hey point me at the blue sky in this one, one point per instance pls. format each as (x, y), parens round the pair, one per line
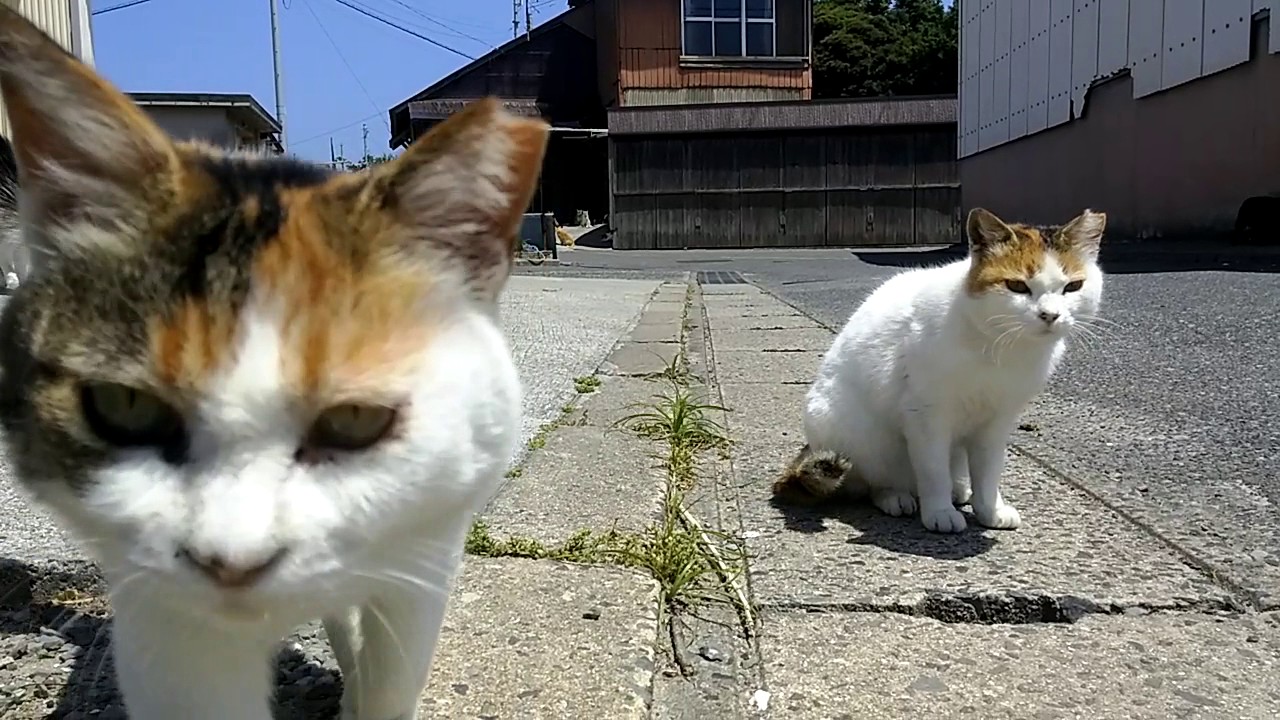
(225, 46)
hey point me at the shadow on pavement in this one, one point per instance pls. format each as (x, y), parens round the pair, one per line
(58, 639)
(902, 535)
(1129, 258)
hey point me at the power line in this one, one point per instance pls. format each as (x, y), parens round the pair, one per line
(343, 58)
(401, 28)
(439, 23)
(121, 6)
(331, 131)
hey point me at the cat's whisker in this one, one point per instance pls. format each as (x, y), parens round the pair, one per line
(391, 632)
(1099, 331)
(1100, 319)
(996, 346)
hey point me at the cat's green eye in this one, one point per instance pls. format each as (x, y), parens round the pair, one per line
(128, 417)
(350, 427)
(1073, 286)
(1017, 286)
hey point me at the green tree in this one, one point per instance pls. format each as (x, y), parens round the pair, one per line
(366, 162)
(868, 48)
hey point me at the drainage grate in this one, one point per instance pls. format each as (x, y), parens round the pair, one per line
(721, 277)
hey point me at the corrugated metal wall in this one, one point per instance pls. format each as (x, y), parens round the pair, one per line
(1027, 65)
(66, 21)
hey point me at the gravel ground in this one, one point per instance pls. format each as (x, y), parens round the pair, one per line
(54, 628)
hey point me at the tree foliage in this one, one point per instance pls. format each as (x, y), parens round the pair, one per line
(867, 48)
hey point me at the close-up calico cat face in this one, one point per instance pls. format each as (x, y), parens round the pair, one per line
(1035, 280)
(230, 369)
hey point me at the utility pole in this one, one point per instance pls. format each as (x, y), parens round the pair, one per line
(275, 61)
(333, 159)
(515, 18)
(364, 137)
(528, 18)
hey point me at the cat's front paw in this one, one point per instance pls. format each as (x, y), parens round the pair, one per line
(1003, 517)
(895, 504)
(945, 519)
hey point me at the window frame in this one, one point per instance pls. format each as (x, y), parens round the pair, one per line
(742, 21)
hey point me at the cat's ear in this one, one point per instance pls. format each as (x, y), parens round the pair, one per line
(464, 187)
(88, 158)
(985, 230)
(1084, 233)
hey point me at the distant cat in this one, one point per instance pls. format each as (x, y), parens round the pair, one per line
(925, 383)
(258, 391)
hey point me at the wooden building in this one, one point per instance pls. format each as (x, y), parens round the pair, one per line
(817, 174)
(690, 123)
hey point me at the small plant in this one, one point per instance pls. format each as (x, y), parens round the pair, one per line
(680, 422)
(586, 384)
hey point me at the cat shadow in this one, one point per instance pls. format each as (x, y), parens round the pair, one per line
(903, 535)
(51, 633)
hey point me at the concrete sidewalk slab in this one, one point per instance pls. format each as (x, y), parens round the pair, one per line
(727, 322)
(1070, 556)
(765, 338)
(869, 666)
(542, 639)
(758, 366)
(642, 358)
(584, 478)
(617, 397)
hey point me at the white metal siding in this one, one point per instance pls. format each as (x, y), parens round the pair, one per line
(1084, 51)
(1019, 75)
(1027, 65)
(66, 21)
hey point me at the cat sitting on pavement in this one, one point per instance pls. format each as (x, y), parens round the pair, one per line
(258, 391)
(916, 399)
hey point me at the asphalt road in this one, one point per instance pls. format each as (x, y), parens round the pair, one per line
(1171, 416)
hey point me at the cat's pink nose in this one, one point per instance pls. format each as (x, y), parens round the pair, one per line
(231, 575)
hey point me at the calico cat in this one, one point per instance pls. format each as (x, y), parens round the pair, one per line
(259, 392)
(917, 396)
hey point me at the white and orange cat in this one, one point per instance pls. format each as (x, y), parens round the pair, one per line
(259, 392)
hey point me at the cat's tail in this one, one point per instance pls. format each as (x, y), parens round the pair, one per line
(811, 477)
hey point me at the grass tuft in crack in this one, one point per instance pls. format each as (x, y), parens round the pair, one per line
(586, 384)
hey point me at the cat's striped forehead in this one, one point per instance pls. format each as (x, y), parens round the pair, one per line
(1002, 252)
(287, 244)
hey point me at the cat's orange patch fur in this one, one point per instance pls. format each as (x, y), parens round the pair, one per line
(1020, 258)
(345, 328)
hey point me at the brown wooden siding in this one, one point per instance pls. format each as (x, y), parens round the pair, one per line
(829, 187)
(649, 44)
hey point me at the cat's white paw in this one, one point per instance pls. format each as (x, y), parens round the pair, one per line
(895, 504)
(1003, 517)
(961, 493)
(945, 519)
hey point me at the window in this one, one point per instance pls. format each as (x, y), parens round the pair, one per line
(729, 28)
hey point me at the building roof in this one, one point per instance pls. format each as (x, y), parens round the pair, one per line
(396, 114)
(783, 115)
(439, 109)
(242, 106)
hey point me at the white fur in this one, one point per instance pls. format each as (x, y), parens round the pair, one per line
(925, 383)
(374, 539)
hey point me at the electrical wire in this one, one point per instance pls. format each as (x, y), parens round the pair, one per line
(327, 133)
(343, 58)
(121, 6)
(401, 28)
(439, 23)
